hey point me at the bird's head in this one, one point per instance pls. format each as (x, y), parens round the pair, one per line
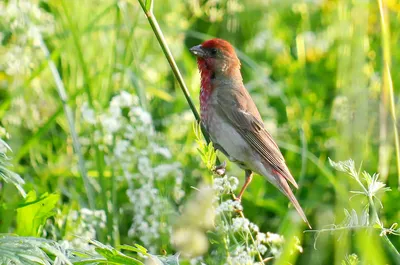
(217, 56)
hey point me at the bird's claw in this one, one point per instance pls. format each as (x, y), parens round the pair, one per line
(220, 169)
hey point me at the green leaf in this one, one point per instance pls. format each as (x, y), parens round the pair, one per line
(137, 248)
(114, 256)
(161, 260)
(31, 251)
(149, 5)
(32, 215)
(6, 174)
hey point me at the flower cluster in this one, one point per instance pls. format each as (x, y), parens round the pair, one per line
(242, 238)
(225, 184)
(125, 133)
(21, 22)
(80, 227)
(24, 19)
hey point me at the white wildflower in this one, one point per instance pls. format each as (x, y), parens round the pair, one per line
(229, 206)
(121, 147)
(254, 227)
(138, 114)
(161, 150)
(109, 123)
(262, 248)
(123, 100)
(240, 256)
(224, 185)
(88, 114)
(164, 170)
(114, 112)
(240, 224)
(261, 238)
(273, 238)
(26, 21)
(144, 166)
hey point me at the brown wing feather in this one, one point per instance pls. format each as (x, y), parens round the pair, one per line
(246, 118)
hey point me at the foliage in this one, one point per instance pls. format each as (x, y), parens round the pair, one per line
(105, 154)
(32, 250)
(6, 174)
(34, 212)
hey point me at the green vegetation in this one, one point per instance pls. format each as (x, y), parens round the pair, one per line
(109, 166)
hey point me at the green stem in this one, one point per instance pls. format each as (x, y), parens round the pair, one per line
(388, 83)
(241, 214)
(394, 120)
(148, 10)
(385, 237)
(71, 122)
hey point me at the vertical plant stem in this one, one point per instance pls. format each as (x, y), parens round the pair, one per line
(148, 10)
(392, 248)
(113, 226)
(384, 143)
(394, 120)
(114, 52)
(71, 121)
(387, 88)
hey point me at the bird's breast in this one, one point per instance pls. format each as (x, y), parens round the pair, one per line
(226, 135)
(205, 97)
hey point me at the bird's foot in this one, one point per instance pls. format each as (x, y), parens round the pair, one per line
(220, 169)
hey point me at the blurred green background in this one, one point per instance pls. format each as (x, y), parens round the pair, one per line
(315, 68)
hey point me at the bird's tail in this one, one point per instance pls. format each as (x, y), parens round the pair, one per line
(284, 187)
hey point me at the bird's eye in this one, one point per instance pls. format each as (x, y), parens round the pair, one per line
(214, 51)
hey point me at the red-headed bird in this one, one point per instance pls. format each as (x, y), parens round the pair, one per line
(233, 121)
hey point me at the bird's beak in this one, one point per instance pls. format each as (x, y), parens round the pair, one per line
(198, 51)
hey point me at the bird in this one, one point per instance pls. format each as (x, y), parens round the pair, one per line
(233, 122)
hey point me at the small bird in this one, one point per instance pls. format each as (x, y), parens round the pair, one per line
(233, 121)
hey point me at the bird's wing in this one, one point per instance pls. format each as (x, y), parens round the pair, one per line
(244, 116)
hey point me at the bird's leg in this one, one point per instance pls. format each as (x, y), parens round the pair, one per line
(248, 178)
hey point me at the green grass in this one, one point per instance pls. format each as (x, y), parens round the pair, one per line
(322, 73)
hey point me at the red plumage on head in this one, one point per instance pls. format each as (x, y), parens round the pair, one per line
(208, 65)
(221, 44)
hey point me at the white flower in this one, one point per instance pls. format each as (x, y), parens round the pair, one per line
(88, 114)
(240, 224)
(109, 123)
(261, 238)
(262, 248)
(121, 147)
(229, 206)
(240, 256)
(274, 238)
(164, 170)
(138, 114)
(233, 182)
(254, 227)
(225, 184)
(123, 100)
(161, 150)
(144, 165)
